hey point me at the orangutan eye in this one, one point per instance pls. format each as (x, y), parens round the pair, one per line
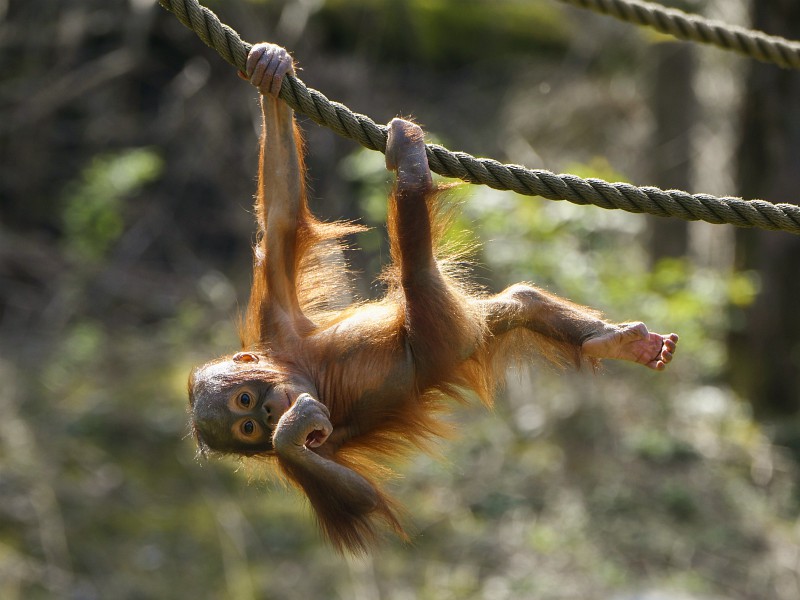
(245, 400)
(248, 428)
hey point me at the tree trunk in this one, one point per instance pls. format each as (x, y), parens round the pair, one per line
(765, 348)
(674, 108)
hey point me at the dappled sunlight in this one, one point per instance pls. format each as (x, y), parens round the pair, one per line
(126, 191)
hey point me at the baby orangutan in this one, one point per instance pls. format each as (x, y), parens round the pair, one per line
(328, 392)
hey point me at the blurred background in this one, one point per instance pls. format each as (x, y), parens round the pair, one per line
(127, 170)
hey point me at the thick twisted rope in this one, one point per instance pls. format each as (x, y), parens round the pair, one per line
(684, 26)
(531, 182)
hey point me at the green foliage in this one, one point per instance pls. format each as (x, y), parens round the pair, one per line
(598, 167)
(613, 484)
(93, 204)
(593, 256)
(514, 27)
(660, 447)
(366, 169)
(599, 257)
(477, 30)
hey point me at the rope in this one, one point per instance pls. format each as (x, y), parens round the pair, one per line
(530, 182)
(684, 26)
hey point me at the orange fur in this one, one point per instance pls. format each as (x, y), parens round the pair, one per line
(416, 423)
(386, 369)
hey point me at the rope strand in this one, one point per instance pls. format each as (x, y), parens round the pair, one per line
(684, 26)
(530, 182)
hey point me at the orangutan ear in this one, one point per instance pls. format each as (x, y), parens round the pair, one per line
(245, 357)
